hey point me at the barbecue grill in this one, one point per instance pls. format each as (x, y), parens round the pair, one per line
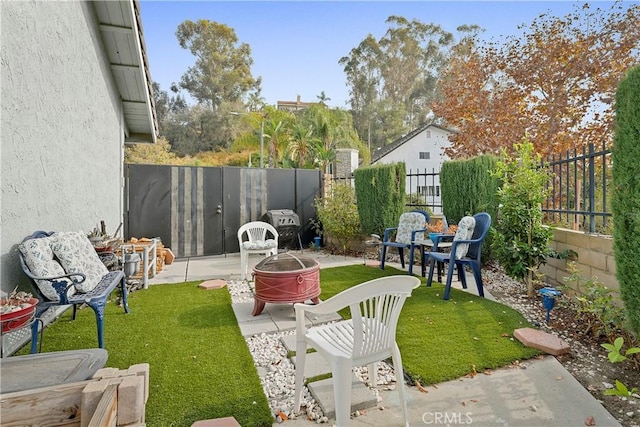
(286, 223)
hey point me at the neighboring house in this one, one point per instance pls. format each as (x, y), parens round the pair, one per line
(75, 89)
(422, 150)
(294, 105)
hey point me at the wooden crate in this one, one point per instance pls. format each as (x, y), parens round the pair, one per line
(112, 397)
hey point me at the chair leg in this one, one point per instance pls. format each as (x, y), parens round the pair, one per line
(477, 275)
(341, 372)
(411, 255)
(243, 264)
(98, 309)
(462, 275)
(447, 288)
(401, 253)
(397, 368)
(34, 335)
(383, 256)
(301, 355)
(373, 374)
(123, 289)
(432, 265)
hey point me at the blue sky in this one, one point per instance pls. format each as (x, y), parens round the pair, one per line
(296, 45)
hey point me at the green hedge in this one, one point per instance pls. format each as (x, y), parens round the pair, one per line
(467, 187)
(626, 195)
(380, 192)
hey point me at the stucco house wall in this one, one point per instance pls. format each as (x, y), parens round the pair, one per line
(62, 129)
(430, 139)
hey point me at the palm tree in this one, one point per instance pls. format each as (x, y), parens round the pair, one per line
(300, 146)
(323, 98)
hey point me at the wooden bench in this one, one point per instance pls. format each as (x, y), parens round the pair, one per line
(63, 269)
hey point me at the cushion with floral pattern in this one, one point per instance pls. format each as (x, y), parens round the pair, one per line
(77, 255)
(409, 222)
(464, 232)
(39, 258)
(260, 244)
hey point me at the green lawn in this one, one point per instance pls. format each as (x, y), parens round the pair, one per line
(443, 340)
(200, 366)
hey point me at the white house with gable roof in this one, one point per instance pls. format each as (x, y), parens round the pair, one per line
(422, 151)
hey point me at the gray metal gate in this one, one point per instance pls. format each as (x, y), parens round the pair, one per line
(197, 210)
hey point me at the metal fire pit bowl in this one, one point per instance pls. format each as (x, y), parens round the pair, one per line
(285, 278)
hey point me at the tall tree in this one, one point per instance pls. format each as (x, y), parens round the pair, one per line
(222, 71)
(397, 72)
(555, 84)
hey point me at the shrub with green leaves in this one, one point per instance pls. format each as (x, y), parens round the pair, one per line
(520, 241)
(626, 195)
(381, 196)
(338, 214)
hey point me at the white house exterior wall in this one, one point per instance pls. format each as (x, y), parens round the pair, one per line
(62, 127)
(432, 140)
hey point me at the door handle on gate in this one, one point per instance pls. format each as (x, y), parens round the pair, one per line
(219, 209)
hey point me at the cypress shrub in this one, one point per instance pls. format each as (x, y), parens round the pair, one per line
(626, 196)
(380, 192)
(468, 187)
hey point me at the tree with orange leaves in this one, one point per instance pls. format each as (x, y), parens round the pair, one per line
(555, 84)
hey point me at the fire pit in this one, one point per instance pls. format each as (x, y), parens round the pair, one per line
(285, 278)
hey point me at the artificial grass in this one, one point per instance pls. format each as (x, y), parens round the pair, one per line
(442, 340)
(200, 366)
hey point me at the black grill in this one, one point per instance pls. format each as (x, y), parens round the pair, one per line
(287, 223)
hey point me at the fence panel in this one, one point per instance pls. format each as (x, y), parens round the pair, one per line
(578, 190)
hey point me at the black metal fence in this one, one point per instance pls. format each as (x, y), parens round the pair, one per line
(579, 190)
(422, 188)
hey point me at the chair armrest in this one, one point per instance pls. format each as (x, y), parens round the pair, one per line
(387, 232)
(413, 234)
(61, 286)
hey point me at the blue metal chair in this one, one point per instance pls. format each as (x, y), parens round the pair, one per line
(471, 258)
(411, 227)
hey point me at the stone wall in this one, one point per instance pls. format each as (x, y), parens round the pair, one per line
(594, 258)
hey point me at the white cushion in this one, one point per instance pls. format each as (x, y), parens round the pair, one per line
(464, 232)
(77, 255)
(39, 258)
(260, 244)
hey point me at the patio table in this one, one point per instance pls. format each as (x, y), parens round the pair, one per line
(442, 242)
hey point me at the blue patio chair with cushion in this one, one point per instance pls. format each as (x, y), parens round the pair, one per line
(465, 250)
(411, 227)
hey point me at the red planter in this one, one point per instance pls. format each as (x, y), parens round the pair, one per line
(285, 278)
(19, 318)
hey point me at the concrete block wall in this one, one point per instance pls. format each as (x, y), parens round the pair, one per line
(595, 259)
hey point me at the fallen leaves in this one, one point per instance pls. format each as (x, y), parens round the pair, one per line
(419, 386)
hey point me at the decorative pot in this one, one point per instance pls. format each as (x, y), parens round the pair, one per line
(131, 264)
(19, 317)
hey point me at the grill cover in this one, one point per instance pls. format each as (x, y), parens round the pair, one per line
(286, 222)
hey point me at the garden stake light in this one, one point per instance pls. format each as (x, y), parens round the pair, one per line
(549, 299)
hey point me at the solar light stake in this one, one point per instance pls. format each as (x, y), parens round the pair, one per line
(549, 299)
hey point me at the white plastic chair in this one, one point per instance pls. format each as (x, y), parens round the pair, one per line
(257, 243)
(368, 337)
